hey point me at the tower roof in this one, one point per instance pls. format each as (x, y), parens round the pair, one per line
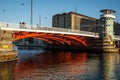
(107, 10)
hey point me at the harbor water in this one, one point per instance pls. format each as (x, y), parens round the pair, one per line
(61, 65)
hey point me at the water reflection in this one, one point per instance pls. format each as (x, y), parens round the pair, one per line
(109, 60)
(51, 65)
(61, 65)
(6, 70)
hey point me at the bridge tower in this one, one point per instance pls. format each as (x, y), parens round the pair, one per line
(107, 20)
(107, 33)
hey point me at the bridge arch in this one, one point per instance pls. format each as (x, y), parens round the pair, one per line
(52, 39)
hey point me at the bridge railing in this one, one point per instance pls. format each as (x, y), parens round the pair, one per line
(26, 26)
(66, 30)
(117, 37)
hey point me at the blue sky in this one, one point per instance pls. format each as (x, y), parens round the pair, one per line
(15, 11)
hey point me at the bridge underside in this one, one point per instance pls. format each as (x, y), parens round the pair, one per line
(54, 39)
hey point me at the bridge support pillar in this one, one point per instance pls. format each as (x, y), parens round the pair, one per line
(104, 45)
(109, 46)
(107, 33)
(105, 42)
(6, 46)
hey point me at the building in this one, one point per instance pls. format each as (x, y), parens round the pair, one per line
(116, 28)
(74, 21)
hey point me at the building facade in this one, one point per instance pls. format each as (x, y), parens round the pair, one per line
(116, 28)
(74, 21)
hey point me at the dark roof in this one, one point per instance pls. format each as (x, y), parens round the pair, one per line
(74, 13)
(107, 10)
(80, 14)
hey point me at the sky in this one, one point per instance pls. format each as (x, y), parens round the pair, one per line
(16, 11)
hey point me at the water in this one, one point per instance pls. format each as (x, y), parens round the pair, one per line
(61, 65)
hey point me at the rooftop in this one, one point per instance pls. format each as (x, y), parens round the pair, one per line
(107, 10)
(75, 13)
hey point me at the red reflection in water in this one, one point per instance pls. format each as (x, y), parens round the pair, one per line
(46, 60)
(79, 57)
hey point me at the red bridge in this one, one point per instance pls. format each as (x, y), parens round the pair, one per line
(53, 36)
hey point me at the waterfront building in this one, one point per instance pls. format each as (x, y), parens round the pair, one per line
(116, 28)
(76, 21)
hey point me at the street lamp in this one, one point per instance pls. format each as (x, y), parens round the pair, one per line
(31, 16)
(39, 20)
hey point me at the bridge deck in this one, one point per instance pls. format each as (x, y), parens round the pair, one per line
(32, 28)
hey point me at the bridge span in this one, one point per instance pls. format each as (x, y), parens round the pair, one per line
(56, 36)
(53, 36)
(53, 30)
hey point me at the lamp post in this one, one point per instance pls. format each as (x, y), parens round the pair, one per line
(31, 16)
(39, 20)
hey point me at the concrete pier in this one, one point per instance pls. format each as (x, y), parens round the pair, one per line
(102, 45)
(6, 46)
